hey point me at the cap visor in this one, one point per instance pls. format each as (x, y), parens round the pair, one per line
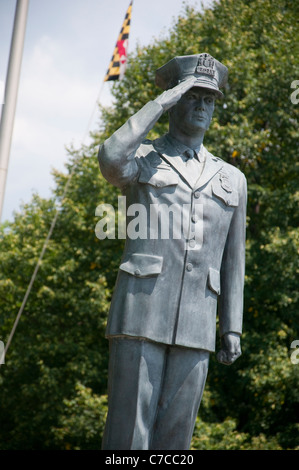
(204, 85)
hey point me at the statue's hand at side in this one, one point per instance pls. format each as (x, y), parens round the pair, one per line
(170, 97)
(230, 349)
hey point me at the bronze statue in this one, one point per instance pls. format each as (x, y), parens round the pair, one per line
(162, 320)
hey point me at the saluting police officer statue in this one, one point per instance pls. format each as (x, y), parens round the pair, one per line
(162, 320)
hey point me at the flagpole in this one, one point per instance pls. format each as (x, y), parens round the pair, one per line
(11, 92)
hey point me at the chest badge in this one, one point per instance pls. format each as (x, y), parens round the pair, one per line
(224, 181)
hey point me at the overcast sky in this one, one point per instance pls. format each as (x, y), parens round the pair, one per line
(67, 50)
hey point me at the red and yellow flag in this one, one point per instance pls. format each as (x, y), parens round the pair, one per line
(118, 62)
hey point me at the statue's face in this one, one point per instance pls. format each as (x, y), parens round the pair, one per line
(194, 111)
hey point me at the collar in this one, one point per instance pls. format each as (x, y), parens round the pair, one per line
(168, 151)
(182, 148)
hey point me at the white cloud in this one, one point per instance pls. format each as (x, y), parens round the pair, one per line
(54, 108)
(50, 91)
(52, 105)
(38, 148)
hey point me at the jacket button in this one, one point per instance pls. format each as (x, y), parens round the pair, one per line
(194, 218)
(189, 267)
(192, 243)
(197, 194)
(137, 272)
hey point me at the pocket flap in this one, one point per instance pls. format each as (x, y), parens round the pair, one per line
(214, 280)
(158, 177)
(229, 197)
(142, 265)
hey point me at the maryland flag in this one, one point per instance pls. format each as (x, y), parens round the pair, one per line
(118, 62)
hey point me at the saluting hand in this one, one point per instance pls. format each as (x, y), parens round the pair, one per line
(170, 97)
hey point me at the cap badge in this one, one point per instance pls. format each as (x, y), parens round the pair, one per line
(205, 65)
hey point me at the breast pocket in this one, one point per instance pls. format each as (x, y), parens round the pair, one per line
(227, 195)
(161, 176)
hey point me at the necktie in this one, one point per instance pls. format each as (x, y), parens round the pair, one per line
(189, 154)
(193, 165)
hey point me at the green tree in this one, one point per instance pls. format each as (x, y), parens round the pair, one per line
(53, 385)
(59, 342)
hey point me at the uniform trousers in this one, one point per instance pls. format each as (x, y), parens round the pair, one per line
(154, 393)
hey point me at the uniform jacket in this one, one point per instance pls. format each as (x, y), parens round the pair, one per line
(168, 286)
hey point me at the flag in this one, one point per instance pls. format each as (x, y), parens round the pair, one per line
(118, 62)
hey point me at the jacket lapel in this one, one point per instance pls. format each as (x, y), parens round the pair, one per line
(211, 167)
(171, 155)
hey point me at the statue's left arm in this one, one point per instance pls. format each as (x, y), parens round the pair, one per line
(232, 282)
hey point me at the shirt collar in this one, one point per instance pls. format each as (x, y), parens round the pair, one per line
(181, 148)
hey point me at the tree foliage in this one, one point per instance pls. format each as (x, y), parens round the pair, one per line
(53, 385)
